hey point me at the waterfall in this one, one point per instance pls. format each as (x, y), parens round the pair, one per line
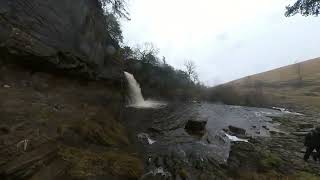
(135, 96)
(135, 90)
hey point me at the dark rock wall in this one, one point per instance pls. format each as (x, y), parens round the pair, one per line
(59, 34)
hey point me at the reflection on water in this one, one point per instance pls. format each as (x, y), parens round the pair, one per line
(148, 104)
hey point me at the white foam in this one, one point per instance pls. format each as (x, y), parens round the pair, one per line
(148, 104)
(284, 110)
(158, 171)
(147, 137)
(235, 138)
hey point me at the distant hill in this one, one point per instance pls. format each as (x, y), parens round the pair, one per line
(294, 86)
(307, 71)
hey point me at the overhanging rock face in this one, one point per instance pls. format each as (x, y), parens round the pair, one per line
(67, 35)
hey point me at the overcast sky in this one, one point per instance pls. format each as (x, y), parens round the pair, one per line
(227, 39)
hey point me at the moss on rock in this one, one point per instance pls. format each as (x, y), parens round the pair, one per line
(270, 161)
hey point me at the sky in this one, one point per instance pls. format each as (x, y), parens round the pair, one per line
(227, 39)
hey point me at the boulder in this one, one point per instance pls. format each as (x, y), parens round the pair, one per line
(196, 126)
(237, 130)
(68, 36)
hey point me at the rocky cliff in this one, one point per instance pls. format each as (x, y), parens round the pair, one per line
(53, 125)
(58, 35)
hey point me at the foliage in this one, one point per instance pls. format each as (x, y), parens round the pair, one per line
(113, 27)
(304, 7)
(270, 161)
(159, 78)
(143, 60)
(147, 53)
(113, 10)
(126, 53)
(116, 7)
(233, 94)
(226, 94)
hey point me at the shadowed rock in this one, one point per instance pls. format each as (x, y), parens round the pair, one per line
(196, 126)
(237, 130)
(57, 35)
(305, 125)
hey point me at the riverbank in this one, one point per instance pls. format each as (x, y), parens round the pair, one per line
(279, 156)
(60, 127)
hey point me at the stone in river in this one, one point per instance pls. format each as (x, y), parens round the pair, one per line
(237, 130)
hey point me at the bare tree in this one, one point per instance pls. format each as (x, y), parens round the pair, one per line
(147, 52)
(191, 70)
(304, 7)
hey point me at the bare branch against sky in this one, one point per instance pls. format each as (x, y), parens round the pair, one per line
(226, 39)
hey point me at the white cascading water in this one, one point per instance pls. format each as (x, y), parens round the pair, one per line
(135, 90)
(135, 96)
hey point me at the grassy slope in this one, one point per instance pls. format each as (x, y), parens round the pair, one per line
(284, 85)
(309, 72)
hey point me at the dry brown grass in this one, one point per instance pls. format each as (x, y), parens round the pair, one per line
(308, 70)
(87, 163)
(297, 84)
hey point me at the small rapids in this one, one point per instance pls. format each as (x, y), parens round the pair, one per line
(136, 99)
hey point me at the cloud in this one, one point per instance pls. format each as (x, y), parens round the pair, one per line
(226, 39)
(222, 36)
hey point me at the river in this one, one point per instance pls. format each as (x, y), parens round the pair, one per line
(161, 136)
